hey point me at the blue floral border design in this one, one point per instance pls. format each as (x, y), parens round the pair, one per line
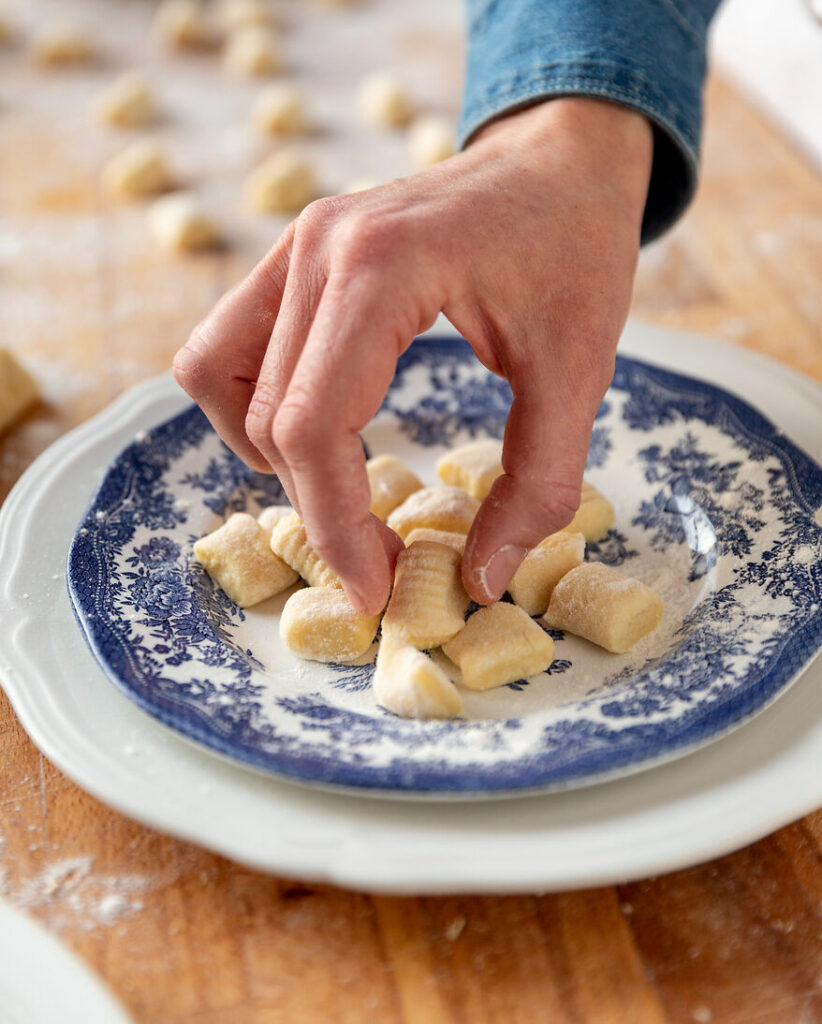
(334, 742)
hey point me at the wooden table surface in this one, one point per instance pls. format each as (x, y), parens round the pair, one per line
(185, 937)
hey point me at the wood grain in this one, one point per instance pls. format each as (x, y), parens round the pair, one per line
(198, 940)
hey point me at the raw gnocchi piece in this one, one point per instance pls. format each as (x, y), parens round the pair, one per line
(127, 102)
(253, 51)
(595, 515)
(59, 45)
(180, 224)
(499, 645)
(543, 567)
(473, 466)
(18, 389)
(233, 14)
(598, 603)
(289, 541)
(439, 508)
(428, 602)
(360, 185)
(269, 517)
(183, 25)
(391, 482)
(430, 140)
(321, 624)
(383, 100)
(407, 682)
(239, 560)
(140, 170)
(284, 183)
(453, 540)
(279, 110)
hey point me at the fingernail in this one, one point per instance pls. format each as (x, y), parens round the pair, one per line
(496, 574)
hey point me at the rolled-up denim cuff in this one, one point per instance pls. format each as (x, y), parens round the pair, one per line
(645, 56)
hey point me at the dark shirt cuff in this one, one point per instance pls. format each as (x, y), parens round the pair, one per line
(648, 55)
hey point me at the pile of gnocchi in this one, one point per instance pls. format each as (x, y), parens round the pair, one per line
(253, 559)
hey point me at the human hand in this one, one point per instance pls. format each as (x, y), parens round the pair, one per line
(527, 241)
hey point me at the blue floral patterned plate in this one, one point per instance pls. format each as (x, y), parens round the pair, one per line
(715, 509)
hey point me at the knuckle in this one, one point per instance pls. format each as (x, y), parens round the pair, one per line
(192, 367)
(367, 237)
(317, 217)
(295, 431)
(262, 410)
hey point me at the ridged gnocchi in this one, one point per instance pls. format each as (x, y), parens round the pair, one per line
(238, 558)
(543, 567)
(321, 624)
(499, 644)
(598, 603)
(453, 540)
(289, 541)
(428, 602)
(436, 508)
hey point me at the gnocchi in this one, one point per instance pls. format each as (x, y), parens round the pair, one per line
(18, 389)
(127, 102)
(321, 624)
(270, 516)
(499, 644)
(253, 51)
(181, 225)
(60, 45)
(284, 183)
(383, 101)
(140, 170)
(233, 14)
(280, 110)
(598, 603)
(437, 508)
(453, 540)
(430, 140)
(182, 24)
(473, 466)
(239, 560)
(543, 567)
(595, 515)
(428, 602)
(391, 482)
(409, 683)
(289, 542)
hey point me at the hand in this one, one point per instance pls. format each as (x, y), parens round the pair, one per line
(527, 241)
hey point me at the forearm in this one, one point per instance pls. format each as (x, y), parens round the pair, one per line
(648, 55)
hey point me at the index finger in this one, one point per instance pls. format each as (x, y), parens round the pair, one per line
(340, 380)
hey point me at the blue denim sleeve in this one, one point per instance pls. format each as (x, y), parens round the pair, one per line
(645, 54)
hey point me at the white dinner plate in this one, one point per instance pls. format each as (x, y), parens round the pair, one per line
(42, 982)
(739, 788)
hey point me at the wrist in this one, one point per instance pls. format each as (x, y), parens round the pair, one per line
(603, 141)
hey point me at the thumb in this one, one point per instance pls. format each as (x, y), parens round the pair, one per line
(544, 450)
